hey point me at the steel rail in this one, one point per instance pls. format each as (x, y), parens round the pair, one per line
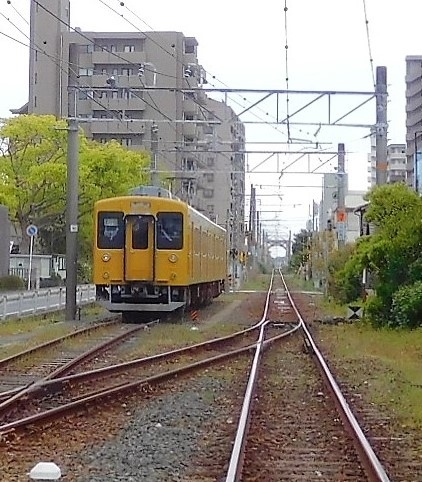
(237, 456)
(126, 387)
(55, 384)
(28, 389)
(138, 362)
(370, 461)
(55, 341)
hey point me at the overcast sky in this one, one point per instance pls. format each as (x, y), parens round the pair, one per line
(241, 44)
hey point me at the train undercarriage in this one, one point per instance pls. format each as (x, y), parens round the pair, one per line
(149, 300)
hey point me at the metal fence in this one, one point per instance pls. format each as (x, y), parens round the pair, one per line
(42, 300)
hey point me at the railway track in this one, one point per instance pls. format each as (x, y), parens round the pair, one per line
(51, 398)
(293, 422)
(23, 372)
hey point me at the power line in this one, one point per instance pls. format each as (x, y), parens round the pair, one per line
(371, 60)
(172, 55)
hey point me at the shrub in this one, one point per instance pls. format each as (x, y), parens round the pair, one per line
(11, 283)
(407, 306)
(377, 312)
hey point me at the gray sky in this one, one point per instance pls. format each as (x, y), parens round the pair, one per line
(242, 45)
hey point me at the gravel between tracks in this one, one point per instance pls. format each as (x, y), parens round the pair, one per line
(150, 439)
(163, 437)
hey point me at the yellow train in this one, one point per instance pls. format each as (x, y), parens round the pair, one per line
(154, 253)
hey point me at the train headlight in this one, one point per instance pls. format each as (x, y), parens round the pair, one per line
(173, 258)
(106, 275)
(106, 257)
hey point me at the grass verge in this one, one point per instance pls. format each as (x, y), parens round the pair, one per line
(390, 366)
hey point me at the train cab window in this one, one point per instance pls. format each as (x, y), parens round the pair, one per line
(169, 231)
(110, 230)
(140, 233)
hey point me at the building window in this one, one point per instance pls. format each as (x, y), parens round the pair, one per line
(210, 161)
(112, 48)
(86, 71)
(35, 77)
(127, 72)
(114, 94)
(87, 49)
(85, 94)
(189, 49)
(208, 193)
(104, 71)
(115, 72)
(188, 141)
(209, 177)
(126, 141)
(189, 117)
(129, 48)
(188, 164)
(189, 96)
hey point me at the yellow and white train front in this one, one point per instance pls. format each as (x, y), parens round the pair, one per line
(140, 254)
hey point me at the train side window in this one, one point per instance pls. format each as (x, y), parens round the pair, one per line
(110, 230)
(140, 233)
(169, 231)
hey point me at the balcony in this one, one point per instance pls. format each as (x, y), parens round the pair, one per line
(190, 106)
(118, 104)
(111, 126)
(190, 129)
(118, 58)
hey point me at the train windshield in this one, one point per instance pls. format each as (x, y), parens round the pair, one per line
(110, 230)
(169, 231)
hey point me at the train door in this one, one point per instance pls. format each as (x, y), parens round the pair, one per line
(139, 248)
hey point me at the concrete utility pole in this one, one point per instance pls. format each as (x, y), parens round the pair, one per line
(341, 206)
(154, 153)
(72, 217)
(381, 126)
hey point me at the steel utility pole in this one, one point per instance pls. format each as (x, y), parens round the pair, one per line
(341, 206)
(154, 153)
(72, 217)
(381, 126)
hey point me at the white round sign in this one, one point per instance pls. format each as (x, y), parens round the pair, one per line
(31, 230)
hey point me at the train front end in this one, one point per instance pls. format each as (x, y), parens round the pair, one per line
(141, 254)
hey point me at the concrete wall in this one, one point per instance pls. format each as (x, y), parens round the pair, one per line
(4, 241)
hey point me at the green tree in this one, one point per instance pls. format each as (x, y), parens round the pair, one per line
(32, 170)
(33, 177)
(300, 248)
(345, 274)
(392, 253)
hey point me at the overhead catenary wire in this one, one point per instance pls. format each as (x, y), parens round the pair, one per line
(123, 4)
(368, 38)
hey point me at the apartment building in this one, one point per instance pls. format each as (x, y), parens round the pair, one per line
(414, 118)
(145, 90)
(397, 164)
